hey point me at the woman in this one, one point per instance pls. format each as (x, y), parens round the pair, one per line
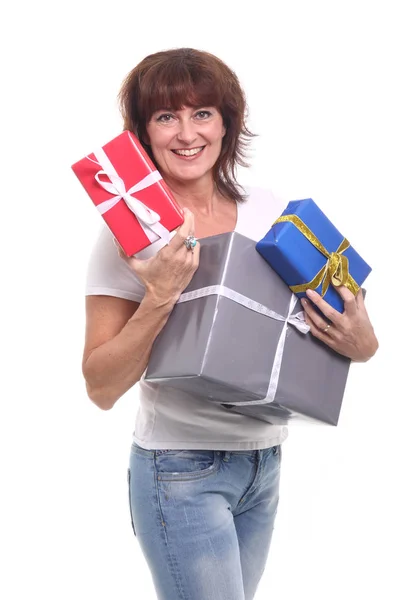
(203, 482)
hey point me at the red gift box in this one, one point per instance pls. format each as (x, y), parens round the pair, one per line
(129, 193)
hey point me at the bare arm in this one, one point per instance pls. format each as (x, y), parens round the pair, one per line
(119, 338)
(120, 333)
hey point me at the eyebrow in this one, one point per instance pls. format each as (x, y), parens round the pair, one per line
(197, 107)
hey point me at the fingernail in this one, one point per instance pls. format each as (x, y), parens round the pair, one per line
(311, 294)
(304, 301)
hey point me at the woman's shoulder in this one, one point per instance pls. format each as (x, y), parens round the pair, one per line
(264, 196)
(258, 212)
(108, 274)
(263, 201)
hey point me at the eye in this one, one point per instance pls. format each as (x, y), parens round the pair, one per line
(203, 114)
(165, 118)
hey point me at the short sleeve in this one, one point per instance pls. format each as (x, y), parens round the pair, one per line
(108, 274)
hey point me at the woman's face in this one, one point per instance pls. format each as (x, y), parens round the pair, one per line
(186, 143)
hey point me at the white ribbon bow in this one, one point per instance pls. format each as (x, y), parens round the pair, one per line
(148, 219)
(297, 320)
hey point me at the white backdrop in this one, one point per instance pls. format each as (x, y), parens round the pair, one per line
(322, 85)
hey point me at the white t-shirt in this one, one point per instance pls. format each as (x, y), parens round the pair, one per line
(174, 419)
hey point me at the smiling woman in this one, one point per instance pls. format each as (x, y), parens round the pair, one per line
(203, 481)
(189, 458)
(186, 143)
(182, 102)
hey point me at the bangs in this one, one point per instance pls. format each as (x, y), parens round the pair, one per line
(185, 77)
(175, 84)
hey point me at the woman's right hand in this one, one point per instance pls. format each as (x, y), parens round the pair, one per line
(169, 272)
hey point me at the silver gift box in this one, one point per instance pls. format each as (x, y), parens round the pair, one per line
(223, 351)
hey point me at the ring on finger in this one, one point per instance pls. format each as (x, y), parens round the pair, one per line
(325, 329)
(190, 242)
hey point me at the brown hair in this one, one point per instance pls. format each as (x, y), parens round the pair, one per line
(186, 77)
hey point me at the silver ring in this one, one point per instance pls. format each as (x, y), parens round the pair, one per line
(326, 328)
(190, 242)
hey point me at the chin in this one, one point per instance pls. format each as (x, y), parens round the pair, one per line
(191, 174)
(190, 177)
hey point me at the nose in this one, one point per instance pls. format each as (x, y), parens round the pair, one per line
(187, 132)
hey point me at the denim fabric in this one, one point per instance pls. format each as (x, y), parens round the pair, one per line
(204, 519)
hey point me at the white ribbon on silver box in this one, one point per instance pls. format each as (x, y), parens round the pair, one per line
(297, 320)
(148, 219)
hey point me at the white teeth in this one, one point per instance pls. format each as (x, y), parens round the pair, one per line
(188, 152)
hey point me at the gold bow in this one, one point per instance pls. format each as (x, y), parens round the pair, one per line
(336, 269)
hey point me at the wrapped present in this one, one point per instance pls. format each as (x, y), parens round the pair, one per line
(308, 252)
(238, 337)
(129, 193)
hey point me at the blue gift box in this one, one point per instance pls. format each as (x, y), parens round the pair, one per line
(289, 251)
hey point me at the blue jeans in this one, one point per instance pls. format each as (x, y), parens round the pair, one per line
(204, 519)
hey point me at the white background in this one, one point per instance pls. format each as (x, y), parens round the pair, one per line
(322, 85)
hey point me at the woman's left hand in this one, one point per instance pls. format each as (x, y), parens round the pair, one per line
(350, 333)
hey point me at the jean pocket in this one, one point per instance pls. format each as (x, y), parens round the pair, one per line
(185, 465)
(277, 451)
(129, 500)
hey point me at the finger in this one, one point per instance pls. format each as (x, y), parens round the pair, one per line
(137, 264)
(117, 244)
(120, 249)
(186, 229)
(350, 304)
(312, 315)
(327, 310)
(193, 256)
(190, 253)
(360, 299)
(320, 335)
(196, 257)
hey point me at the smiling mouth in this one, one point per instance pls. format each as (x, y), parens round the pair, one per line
(190, 152)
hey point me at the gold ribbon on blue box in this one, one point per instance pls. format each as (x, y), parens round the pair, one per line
(319, 258)
(336, 269)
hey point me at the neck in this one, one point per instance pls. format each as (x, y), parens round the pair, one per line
(200, 196)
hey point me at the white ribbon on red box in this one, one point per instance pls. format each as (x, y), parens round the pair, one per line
(147, 218)
(297, 320)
